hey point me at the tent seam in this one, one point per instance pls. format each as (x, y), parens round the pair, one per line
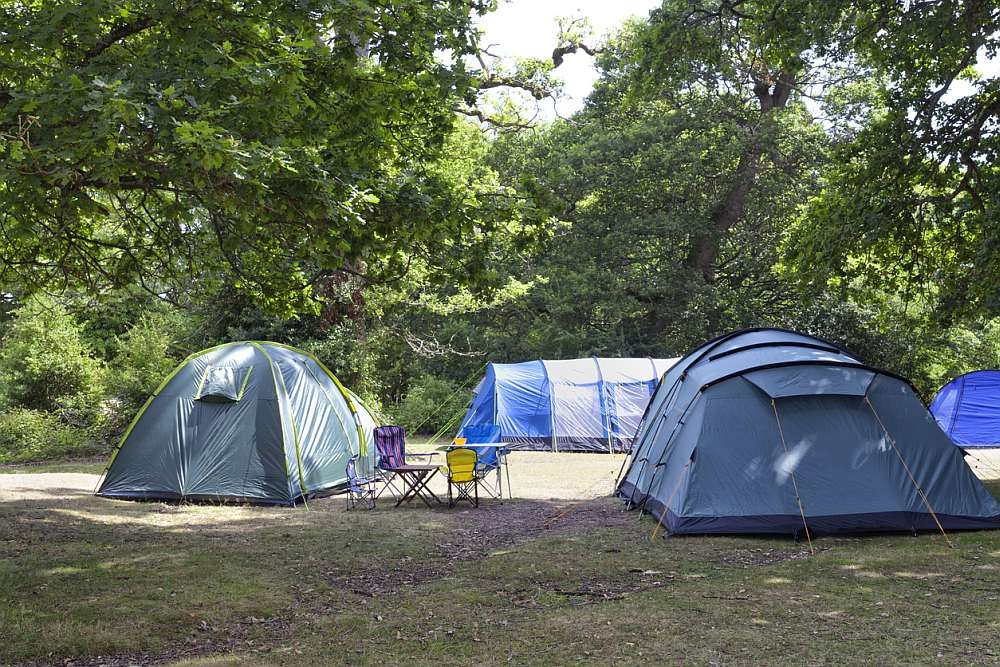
(291, 418)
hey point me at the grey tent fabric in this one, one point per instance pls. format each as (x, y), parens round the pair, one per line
(771, 431)
(249, 421)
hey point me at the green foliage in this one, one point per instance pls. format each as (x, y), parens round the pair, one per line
(909, 201)
(260, 175)
(209, 144)
(142, 359)
(34, 435)
(45, 364)
(965, 348)
(432, 404)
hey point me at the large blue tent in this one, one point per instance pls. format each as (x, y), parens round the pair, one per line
(591, 404)
(771, 431)
(968, 409)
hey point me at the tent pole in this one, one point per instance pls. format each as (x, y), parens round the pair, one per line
(646, 412)
(552, 405)
(496, 398)
(666, 445)
(605, 413)
(666, 505)
(791, 473)
(618, 479)
(920, 491)
(635, 436)
(958, 405)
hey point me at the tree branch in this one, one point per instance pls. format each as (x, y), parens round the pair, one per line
(118, 33)
(561, 51)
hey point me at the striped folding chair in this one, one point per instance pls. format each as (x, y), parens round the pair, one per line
(390, 445)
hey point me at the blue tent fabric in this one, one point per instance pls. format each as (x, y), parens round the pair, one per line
(483, 434)
(968, 409)
(591, 404)
(749, 425)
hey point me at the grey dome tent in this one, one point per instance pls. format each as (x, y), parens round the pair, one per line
(249, 421)
(771, 431)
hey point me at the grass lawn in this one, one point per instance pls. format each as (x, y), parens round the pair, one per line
(88, 465)
(549, 579)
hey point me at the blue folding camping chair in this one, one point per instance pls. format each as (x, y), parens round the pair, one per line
(360, 490)
(491, 458)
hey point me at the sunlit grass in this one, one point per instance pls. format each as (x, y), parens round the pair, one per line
(547, 582)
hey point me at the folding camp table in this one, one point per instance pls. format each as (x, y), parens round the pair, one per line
(415, 478)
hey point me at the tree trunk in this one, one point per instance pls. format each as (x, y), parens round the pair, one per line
(772, 93)
(705, 250)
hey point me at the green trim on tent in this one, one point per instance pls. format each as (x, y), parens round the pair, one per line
(128, 431)
(201, 383)
(246, 381)
(145, 405)
(329, 399)
(291, 417)
(362, 440)
(282, 396)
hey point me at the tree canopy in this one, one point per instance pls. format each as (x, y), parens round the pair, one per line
(267, 145)
(325, 174)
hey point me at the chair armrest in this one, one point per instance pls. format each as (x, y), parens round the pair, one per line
(421, 456)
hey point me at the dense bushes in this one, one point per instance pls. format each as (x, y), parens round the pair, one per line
(58, 399)
(141, 359)
(432, 404)
(46, 366)
(32, 435)
(72, 375)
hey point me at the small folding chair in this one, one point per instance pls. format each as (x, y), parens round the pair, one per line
(462, 476)
(360, 492)
(490, 459)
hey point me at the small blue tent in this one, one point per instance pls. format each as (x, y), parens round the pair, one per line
(771, 431)
(589, 404)
(968, 409)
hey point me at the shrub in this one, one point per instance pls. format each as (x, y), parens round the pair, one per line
(33, 435)
(46, 366)
(142, 361)
(431, 404)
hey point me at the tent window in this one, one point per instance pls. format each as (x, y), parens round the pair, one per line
(222, 384)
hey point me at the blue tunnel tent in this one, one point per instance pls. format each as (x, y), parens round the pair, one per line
(771, 431)
(968, 409)
(591, 404)
(249, 421)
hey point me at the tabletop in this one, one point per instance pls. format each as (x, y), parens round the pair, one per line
(410, 467)
(468, 445)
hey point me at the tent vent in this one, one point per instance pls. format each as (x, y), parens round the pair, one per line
(223, 384)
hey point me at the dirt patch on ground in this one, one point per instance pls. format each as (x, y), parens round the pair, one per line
(249, 635)
(480, 533)
(756, 557)
(493, 527)
(45, 486)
